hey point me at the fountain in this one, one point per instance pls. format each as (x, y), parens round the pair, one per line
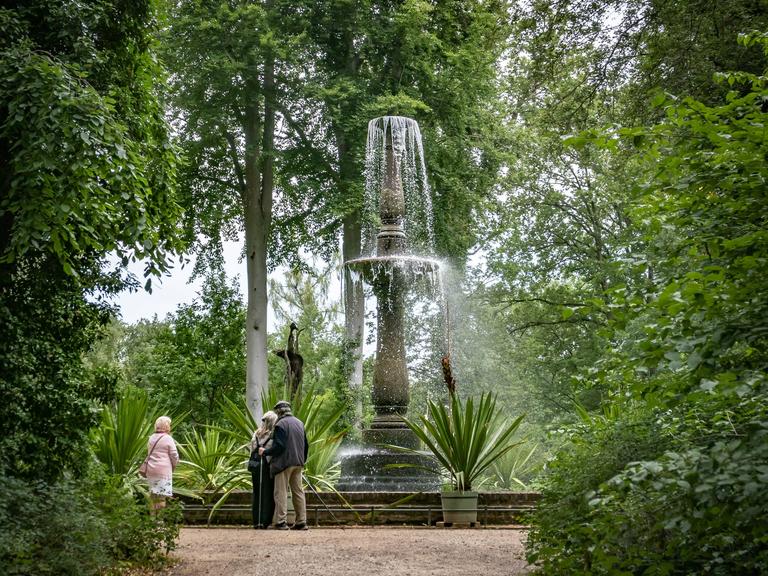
(394, 172)
(400, 228)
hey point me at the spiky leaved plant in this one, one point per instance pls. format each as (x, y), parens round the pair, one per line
(467, 438)
(120, 441)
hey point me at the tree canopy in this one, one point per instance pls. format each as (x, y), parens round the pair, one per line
(598, 175)
(88, 171)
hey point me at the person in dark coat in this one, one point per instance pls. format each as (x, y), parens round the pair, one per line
(289, 453)
(263, 500)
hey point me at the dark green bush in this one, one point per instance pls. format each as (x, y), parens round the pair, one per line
(78, 527)
(133, 536)
(48, 406)
(699, 510)
(560, 540)
(49, 529)
(688, 498)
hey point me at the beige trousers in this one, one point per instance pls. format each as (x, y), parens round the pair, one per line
(290, 477)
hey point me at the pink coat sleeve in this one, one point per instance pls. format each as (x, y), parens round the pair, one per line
(173, 452)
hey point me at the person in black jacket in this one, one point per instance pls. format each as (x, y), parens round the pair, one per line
(263, 500)
(288, 455)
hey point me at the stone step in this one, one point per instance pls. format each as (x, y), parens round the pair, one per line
(329, 508)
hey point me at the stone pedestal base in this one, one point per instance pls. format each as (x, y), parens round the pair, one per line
(367, 468)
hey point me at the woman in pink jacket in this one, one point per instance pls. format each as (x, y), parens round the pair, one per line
(162, 458)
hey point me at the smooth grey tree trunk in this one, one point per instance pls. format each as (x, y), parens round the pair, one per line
(354, 316)
(258, 219)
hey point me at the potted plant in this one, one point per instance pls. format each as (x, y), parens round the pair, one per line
(465, 440)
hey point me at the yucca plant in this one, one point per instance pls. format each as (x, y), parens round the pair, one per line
(242, 424)
(322, 468)
(240, 420)
(120, 441)
(513, 470)
(211, 467)
(466, 439)
(306, 406)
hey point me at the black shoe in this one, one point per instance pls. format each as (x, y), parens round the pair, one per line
(301, 526)
(282, 526)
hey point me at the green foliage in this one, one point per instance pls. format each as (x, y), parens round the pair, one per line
(592, 454)
(78, 527)
(120, 441)
(187, 362)
(48, 405)
(698, 509)
(652, 492)
(86, 153)
(576, 59)
(88, 171)
(212, 464)
(689, 350)
(522, 352)
(708, 308)
(515, 469)
(323, 468)
(466, 440)
(139, 353)
(135, 537)
(216, 52)
(202, 357)
(240, 421)
(41, 538)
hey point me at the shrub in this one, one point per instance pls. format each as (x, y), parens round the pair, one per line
(49, 529)
(679, 492)
(78, 527)
(133, 536)
(595, 452)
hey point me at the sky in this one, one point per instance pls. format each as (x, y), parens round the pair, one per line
(175, 289)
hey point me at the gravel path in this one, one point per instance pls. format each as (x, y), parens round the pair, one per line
(381, 551)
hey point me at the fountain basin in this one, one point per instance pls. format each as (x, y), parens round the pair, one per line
(374, 269)
(383, 469)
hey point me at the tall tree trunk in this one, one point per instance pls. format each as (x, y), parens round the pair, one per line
(354, 316)
(258, 219)
(354, 299)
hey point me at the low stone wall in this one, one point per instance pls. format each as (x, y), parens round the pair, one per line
(328, 508)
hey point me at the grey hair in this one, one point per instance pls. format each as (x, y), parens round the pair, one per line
(268, 420)
(163, 424)
(263, 432)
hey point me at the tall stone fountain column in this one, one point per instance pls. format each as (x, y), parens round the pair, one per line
(376, 466)
(390, 374)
